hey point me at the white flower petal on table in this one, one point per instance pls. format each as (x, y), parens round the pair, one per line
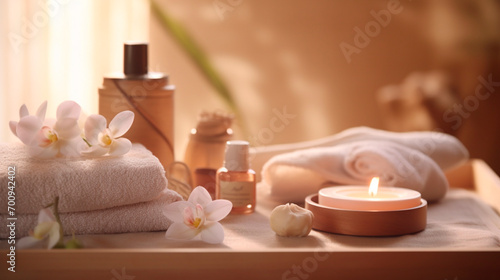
(23, 111)
(94, 125)
(95, 151)
(68, 109)
(54, 235)
(46, 215)
(218, 209)
(121, 123)
(120, 147)
(213, 233)
(40, 113)
(174, 211)
(43, 229)
(27, 242)
(180, 231)
(27, 129)
(200, 196)
(13, 127)
(67, 128)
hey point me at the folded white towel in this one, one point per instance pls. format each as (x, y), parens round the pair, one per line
(139, 217)
(293, 176)
(83, 184)
(444, 149)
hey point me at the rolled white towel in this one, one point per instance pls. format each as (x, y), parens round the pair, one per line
(293, 176)
(83, 184)
(446, 150)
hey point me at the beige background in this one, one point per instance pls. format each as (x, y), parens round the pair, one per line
(277, 54)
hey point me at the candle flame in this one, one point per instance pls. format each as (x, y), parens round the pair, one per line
(373, 186)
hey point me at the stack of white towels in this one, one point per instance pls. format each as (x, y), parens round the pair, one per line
(414, 160)
(96, 195)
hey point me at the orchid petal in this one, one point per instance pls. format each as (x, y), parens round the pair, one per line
(120, 147)
(27, 242)
(95, 151)
(218, 209)
(81, 123)
(180, 231)
(174, 211)
(200, 196)
(67, 128)
(121, 123)
(213, 233)
(94, 125)
(13, 126)
(188, 216)
(54, 235)
(71, 148)
(42, 229)
(50, 122)
(40, 113)
(68, 109)
(46, 137)
(46, 215)
(27, 129)
(23, 111)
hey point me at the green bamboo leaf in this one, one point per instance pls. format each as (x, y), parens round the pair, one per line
(189, 45)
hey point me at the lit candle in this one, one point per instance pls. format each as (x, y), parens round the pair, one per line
(375, 198)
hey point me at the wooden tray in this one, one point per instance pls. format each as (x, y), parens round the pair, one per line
(301, 261)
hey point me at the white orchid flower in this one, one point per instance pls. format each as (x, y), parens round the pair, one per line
(47, 227)
(199, 216)
(49, 138)
(23, 112)
(107, 140)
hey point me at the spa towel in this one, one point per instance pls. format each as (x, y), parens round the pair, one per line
(83, 184)
(293, 176)
(139, 217)
(444, 149)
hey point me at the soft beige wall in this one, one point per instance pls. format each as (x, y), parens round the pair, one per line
(276, 56)
(286, 53)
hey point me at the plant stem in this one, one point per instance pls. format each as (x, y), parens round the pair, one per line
(194, 51)
(58, 220)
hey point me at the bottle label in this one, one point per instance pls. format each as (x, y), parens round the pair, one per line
(239, 193)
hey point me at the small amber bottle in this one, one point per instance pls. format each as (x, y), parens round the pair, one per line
(235, 180)
(206, 148)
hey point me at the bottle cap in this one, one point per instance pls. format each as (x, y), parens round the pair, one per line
(236, 158)
(135, 60)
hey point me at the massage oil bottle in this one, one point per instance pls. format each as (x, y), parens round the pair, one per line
(235, 180)
(148, 95)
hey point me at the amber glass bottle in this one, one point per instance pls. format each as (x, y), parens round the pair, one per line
(236, 182)
(206, 147)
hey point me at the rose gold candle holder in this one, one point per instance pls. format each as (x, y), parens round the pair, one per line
(367, 223)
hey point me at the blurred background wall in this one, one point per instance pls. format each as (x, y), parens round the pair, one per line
(286, 56)
(317, 66)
